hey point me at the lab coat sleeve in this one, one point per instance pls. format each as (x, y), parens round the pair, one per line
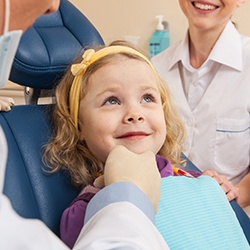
(120, 225)
(120, 217)
(3, 157)
(17, 233)
(119, 192)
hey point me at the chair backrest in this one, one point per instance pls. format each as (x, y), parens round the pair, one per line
(47, 48)
(45, 51)
(33, 192)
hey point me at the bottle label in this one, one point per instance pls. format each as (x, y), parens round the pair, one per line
(154, 48)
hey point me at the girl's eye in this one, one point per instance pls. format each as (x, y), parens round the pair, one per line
(111, 101)
(148, 98)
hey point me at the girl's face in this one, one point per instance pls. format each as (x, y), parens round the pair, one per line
(208, 14)
(122, 107)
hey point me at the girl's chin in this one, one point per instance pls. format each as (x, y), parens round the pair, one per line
(138, 150)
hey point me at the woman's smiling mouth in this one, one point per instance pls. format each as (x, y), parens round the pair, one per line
(203, 6)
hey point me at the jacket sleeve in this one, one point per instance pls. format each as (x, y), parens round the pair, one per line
(117, 225)
(120, 216)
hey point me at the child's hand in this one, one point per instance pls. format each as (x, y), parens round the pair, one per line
(230, 190)
(123, 165)
(6, 103)
(99, 182)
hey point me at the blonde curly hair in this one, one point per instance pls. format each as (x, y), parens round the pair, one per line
(66, 151)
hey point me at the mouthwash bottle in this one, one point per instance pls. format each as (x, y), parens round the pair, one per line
(160, 39)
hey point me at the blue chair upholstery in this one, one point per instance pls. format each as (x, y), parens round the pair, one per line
(33, 192)
(47, 48)
(44, 52)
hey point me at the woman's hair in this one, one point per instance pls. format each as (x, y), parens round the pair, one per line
(66, 151)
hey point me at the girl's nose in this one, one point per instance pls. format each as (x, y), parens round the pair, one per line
(133, 117)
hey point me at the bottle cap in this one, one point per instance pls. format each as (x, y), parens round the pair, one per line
(160, 25)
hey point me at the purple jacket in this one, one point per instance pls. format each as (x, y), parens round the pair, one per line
(72, 219)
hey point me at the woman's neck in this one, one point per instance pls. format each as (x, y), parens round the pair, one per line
(201, 43)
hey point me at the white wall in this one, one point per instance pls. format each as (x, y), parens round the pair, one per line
(115, 18)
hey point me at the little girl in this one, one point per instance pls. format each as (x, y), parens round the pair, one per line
(113, 96)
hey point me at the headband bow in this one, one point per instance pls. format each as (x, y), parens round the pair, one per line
(79, 68)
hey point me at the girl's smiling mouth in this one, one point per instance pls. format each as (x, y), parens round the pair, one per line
(133, 135)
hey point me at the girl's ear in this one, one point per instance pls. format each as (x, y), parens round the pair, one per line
(81, 136)
(240, 2)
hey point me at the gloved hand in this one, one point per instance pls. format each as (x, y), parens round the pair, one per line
(6, 103)
(124, 166)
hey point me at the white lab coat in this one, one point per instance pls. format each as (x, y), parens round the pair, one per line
(218, 134)
(119, 225)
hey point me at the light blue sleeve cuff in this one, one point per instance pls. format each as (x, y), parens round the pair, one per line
(119, 192)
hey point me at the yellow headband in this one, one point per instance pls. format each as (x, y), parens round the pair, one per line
(78, 70)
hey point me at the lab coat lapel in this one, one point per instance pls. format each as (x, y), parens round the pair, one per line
(214, 93)
(176, 88)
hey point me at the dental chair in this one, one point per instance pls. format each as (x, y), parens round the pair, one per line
(45, 51)
(47, 48)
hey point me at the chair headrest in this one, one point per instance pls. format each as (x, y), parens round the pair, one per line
(47, 48)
